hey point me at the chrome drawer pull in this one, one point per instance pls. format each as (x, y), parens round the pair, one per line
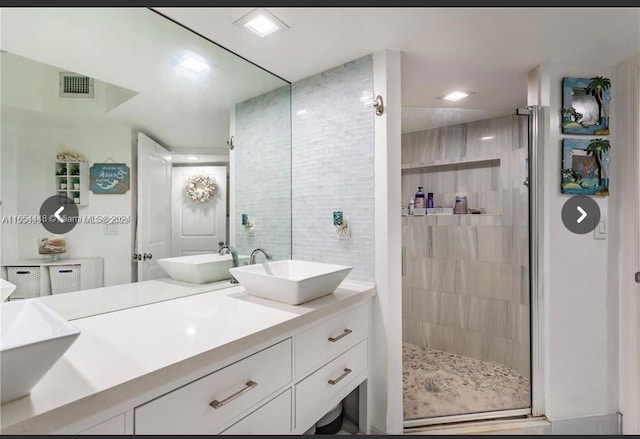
(344, 334)
(346, 372)
(217, 404)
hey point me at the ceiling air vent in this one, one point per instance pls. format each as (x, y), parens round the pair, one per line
(73, 85)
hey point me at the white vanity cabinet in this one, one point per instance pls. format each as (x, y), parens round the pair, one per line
(258, 394)
(330, 361)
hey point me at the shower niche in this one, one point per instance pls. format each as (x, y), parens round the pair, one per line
(465, 278)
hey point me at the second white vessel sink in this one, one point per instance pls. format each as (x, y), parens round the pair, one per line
(6, 288)
(200, 269)
(293, 282)
(33, 338)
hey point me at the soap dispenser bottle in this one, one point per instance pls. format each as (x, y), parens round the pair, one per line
(420, 199)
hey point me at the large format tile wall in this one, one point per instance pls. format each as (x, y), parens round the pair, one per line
(333, 168)
(263, 181)
(465, 277)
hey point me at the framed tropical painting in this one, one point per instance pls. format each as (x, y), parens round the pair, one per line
(585, 105)
(585, 167)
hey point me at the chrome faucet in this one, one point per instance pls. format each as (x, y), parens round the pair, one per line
(254, 253)
(234, 255)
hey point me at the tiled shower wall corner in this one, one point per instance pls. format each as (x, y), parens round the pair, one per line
(465, 277)
(263, 181)
(332, 162)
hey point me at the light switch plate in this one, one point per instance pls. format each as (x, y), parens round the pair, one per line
(600, 232)
(111, 229)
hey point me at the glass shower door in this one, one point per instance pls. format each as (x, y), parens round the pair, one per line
(466, 292)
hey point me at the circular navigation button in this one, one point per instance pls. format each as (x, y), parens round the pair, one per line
(59, 214)
(580, 214)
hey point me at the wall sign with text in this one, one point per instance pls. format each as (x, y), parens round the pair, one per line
(109, 178)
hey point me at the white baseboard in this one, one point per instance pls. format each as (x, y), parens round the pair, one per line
(602, 424)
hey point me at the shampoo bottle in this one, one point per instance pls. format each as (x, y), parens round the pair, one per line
(411, 206)
(420, 199)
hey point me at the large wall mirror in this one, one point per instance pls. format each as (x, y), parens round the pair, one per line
(122, 111)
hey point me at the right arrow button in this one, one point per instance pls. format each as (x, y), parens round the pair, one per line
(580, 214)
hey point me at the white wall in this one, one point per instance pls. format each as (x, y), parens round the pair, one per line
(580, 303)
(30, 143)
(386, 364)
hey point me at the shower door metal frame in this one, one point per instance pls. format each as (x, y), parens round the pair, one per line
(536, 320)
(536, 232)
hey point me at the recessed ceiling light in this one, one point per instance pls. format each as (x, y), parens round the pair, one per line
(301, 112)
(194, 64)
(261, 23)
(455, 96)
(487, 138)
(192, 158)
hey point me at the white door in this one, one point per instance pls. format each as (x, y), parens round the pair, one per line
(198, 227)
(153, 234)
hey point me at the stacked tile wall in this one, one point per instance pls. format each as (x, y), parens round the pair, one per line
(263, 181)
(465, 277)
(333, 168)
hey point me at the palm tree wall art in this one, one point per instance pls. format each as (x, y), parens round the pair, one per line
(585, 105)
(585, 166)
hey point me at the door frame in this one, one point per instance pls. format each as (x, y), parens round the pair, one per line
(536, 294)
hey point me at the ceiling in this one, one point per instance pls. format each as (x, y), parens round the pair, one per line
(485, 50)
(488, 51)
(426, 118)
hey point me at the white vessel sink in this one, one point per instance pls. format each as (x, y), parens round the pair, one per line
(200, 269)
(33, 338)
(292, 282)
(6, 288)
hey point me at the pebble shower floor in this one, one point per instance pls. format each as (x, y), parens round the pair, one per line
(437, 383)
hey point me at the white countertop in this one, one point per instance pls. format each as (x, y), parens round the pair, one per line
(126, 357)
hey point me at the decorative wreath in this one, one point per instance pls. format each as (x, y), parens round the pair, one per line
(200, 188)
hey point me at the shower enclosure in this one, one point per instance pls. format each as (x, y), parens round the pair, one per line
(466, 288)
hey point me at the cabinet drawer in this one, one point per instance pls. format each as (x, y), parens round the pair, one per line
(325, 387)
(324, 341)
(115, 425)
(272, 418)
(231, 390)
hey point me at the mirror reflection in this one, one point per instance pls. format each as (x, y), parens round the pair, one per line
(167, 144)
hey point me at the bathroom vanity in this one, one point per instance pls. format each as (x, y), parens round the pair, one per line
(216, 362)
